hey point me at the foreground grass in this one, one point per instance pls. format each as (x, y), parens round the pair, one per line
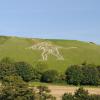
(59, 84)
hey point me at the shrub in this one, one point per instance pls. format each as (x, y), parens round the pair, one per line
(85, 74)
(81, 94)
(14, 88)
(90, 75)
(74, 75)
(24, 70)
(98, 68)
(43, 93)
(94, 97)
(49, 76)
(67, 97)
(6, 69)
(12, 80)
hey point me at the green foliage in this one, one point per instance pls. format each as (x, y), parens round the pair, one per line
(6, 69)
(90, 75)
(24, 70)
(74, 75)
(50, 76)
(12, 80)
(13, 85)
(67, 97)
(14, 88)
(98, 68)
(43, 94)
(81, 94)
(94, 97)
(85, 74)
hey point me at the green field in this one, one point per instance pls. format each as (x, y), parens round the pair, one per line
(15, 48)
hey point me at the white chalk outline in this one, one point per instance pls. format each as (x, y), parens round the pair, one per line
(49, 49)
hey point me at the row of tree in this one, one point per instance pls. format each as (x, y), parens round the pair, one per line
(15, 75)
(84, 74)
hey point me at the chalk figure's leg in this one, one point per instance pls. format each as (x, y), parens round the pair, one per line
(56, 53)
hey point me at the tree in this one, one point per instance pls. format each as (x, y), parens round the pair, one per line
(90, 75)
(85, 74)
(24, 70)
(14, 88)
(50, 76)
(98, 68)
(6, 69)
(74, 74)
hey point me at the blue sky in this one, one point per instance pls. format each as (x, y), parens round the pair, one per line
(65, 19)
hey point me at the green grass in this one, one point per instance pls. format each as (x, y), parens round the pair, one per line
(37, 84)
(14, 47)
(31, 84)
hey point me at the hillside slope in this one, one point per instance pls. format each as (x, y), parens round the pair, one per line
(72, 51)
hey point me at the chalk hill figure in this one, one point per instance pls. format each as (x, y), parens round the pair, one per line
(48, 49)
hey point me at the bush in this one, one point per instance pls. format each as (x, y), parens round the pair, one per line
(81, 94)
(50, 76)
(7, 69)
(85, 74)
(24, 70)
(14, 88)
(90, 75)
(98, 68)
(67, 97)
(12, 80)
(94, 97)
(74, 75)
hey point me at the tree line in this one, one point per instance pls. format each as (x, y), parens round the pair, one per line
(14, 78)
(82, 74)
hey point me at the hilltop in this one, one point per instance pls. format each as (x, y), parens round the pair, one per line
(70, 51)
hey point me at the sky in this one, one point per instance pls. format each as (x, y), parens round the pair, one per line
(57, 19)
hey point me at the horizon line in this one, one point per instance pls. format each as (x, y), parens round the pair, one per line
(31, 37)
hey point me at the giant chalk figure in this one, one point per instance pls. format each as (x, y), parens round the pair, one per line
(48, 49)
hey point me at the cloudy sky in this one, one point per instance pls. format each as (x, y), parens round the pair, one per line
(63, 19)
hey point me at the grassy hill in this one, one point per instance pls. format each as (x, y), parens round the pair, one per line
(15, 48)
